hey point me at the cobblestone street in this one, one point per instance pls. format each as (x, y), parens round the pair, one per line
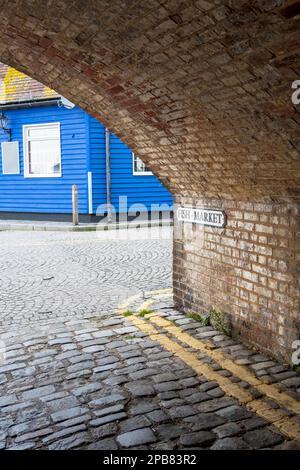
(50, 276)
(97, 357)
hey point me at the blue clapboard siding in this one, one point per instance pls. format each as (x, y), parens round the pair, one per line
(82, 150)
(50, 195)
(96, 133)
(142, 190)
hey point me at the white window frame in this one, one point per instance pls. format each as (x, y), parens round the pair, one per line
(139, 173)
(25, 150)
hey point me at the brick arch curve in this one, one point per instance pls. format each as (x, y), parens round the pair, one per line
(201, 90)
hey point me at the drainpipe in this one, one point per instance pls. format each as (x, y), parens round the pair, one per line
(89, 167)
(108, 174)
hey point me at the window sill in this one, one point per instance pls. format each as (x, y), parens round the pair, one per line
(43, 176)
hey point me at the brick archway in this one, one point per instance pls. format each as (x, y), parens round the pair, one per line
(201, 90)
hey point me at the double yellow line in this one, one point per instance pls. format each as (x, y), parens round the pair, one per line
(174, 339)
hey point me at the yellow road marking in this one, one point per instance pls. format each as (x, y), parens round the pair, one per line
(123, 306)
(278, 417)
(286, 425)
(189, 358)
(126, 303)
(270, 390)
(161, 292)
(146, 305)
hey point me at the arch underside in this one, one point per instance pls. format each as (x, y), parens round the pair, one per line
(202, 92)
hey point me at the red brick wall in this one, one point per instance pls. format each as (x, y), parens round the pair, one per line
(249, 270)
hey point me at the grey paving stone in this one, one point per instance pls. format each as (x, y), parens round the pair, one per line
(230, 443)
(208, 386)
(204, 421)
(29, 426)
(164, 377)
(33, 435)
(3, 378)
(24, 372)
(262, 365)
(136, 422)
(140, 390)
(107, 400)
(73, 421)
(207, 334)
(5, 423)
(108, 419)
(135, 360)
(23, 446)
(54, 396)
(201, 438)
(16, 407)
(260, 438)
(103, 334)
(81, 366)
(289, 445)
(216, 392)
(70, 442)
(62, 403)
(259, 358)
(104, 444)
(41, 360)
(292, 382)
(2, 442)
(234, 413)
(169, 431)
(12, 367)
(77, 358)
(168, 395)
(109, 410)
(117, 380)
(57, 341)
(38, 392)
(105, 430)
(88, 388)
(227, 430)
(93, 348)
(114, 344)
(8, 400)
(109, 367)
(214, 404)
(63, 415)
(189, 382)
(168, 386)
(107, 360)
(136, 438)
(198, 398)
(182, 411)
(157, 416)
(142, 407)
(125, 330)
(141, 374)
(64, 432)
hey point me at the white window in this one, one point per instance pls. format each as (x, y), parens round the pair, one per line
(139, 167)
(42, 154)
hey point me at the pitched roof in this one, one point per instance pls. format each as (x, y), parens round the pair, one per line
(16, 87)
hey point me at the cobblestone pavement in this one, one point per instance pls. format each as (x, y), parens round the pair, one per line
(47, 276)
(140, 376)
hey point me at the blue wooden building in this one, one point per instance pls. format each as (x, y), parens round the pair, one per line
(48, 145)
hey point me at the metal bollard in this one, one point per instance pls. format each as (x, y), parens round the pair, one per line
(75, 204)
